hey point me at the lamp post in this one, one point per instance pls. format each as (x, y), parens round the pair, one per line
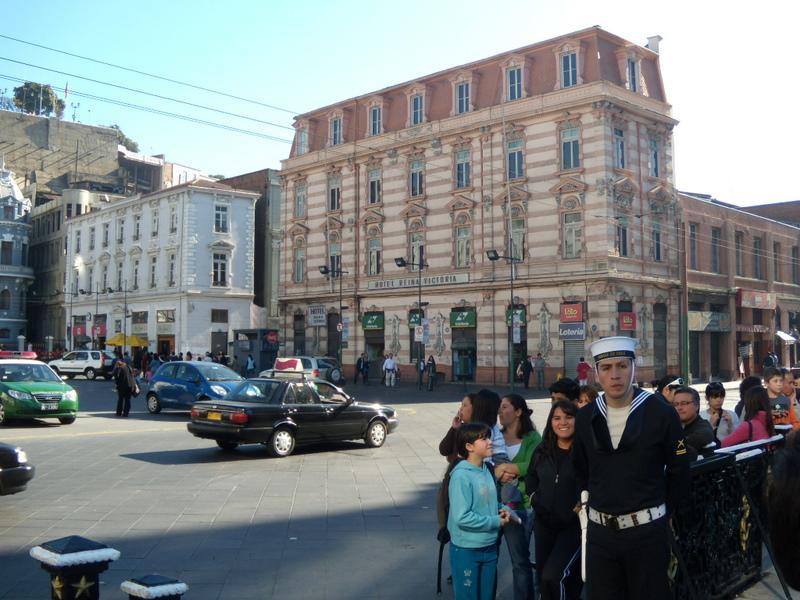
(403, 263)
(327, 271)
(95, 337)
(493, 256)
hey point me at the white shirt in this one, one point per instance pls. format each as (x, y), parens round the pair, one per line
(389, 364)
(617, 418)
(513, 450)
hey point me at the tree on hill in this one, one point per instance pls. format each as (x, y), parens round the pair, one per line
(38, 99)
(124, 139)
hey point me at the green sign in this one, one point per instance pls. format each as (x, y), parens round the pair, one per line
(522, 316)
(372, 320)
(414, 318)
(463, 318)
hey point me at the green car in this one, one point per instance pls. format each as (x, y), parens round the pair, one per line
(29, 389)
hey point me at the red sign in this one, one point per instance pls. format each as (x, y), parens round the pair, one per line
(79, 330)
(571, 313)
(627, 321)
(754, 299)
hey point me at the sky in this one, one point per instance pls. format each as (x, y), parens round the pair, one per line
(729, 73)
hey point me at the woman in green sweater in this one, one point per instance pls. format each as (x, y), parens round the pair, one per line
(521, 440)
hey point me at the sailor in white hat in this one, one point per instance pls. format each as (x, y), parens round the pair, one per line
(630, 455)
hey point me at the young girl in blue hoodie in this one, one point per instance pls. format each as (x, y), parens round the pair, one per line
(475, 517)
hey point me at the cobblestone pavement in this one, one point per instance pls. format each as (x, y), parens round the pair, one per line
(330, 522)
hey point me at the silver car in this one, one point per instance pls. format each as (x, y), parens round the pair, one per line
(316, 367)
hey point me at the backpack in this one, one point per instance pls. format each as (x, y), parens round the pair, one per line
(442, 512)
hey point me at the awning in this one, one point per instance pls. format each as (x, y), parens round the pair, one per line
(786, 337)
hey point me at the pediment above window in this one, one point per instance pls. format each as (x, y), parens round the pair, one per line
(104, 256)
(414, 210)
(624, 192)
(460, 202)
(333, 223)
(370, 216)
(135, 250)
(298, 229)
(518, 192)
(222, 245)
(119, 253)
(569, 185)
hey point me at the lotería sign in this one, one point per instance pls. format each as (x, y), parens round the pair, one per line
(572, 331)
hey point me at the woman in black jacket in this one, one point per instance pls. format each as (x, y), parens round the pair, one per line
(123, 377)
(554, 495)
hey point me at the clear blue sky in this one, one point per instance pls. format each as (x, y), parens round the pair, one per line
(729, 75)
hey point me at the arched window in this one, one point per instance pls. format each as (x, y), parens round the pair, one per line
(5, 300)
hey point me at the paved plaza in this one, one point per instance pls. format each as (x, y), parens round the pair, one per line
(332, 521)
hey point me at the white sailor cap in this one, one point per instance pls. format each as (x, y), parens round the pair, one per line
(613, 347)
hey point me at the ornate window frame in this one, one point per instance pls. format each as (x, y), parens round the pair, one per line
(523, 63)
(416, 89)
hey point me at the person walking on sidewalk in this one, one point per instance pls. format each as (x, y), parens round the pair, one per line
(538, 366)
(430, 366)
(362, 368)
(126, 384)
(390, 369)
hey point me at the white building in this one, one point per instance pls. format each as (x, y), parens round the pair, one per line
(178, 262)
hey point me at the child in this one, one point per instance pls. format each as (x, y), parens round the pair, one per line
(782, 409)
(475, 516)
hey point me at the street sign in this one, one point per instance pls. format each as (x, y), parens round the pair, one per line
(317, 316)
(572, 331)
(419, 333)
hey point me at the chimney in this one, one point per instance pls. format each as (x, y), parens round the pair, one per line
(652, 42)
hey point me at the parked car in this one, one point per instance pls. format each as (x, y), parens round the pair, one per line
(90, 363)
(281, 412)
(314, 367)
(179, 384)
(30, 389)
(15, 472)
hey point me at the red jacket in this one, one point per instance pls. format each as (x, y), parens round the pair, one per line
(741, 434)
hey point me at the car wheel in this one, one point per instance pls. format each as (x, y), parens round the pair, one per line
(376, 434)
(335, 376)
(281, 443)
(153, 405)
(90, 373)
(66, 420)
(226, 445)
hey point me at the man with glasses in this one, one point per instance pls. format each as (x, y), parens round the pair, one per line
(697, 431)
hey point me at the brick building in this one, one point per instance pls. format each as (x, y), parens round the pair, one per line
(558, 155)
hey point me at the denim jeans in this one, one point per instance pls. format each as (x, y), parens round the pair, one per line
(540, 380)
(518, 541)
(474, 572)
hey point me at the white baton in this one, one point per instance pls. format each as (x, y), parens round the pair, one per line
(583, 517)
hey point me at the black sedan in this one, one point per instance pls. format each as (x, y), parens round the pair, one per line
(281, 413)
(15, 472)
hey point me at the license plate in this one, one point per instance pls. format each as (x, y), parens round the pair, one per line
(214, 416)
(49, 405)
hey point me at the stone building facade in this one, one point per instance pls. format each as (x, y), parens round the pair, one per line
(558, 155)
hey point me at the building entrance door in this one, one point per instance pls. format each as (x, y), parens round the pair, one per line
(166, 344)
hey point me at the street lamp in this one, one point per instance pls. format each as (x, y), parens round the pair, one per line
(95, 337)
(493, 256)
(403, 263)
(327, 271)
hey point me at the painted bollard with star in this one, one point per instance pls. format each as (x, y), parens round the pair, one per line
(154, 586)
(74, 564)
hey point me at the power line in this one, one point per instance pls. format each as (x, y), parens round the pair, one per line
(160, 97)
(154, 76)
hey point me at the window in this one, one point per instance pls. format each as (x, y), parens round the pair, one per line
(716, 238)
(69, 210)
(570, 148)
(569, 70)
(299, 264)
(417, 109)
(776, 263)
(153, 269)
(90, 277)
(417, 178)
(120, 232)
(154, 224)
(462, 169)
(172, 269)
(463, 246)
(302, 140)
(573, 229)
(656, 237)
(621, 237)
(375, 120)
(693, 246)
(91, 238)
(106, 230)
(757, 273)
(619, 149)
(219, 315)
(514, 82)
(416, 243)
(7, 251)
(5, 300)
(739, 244)
(77, 247)
(137, 227)
(373, 256)
(300, 197)
(8, 213)
(136, 274)
(104, 277)
(24, 261)
(220, 218)
(462, 97)
(374, 181)
(516, 167)
(796, 265)
(517, 238)
(173, 219)
(119, 276)
(334, 192)
(652, 158)
(336, 131)
(633, 75)
(335, 259)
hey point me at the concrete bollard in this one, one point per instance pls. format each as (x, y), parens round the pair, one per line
(154, 586)
(74, 564)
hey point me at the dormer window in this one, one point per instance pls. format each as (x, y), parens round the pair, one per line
(417, 109)
(335, 134)
(633, 75)
(569, 69)
(302, 141)
(514, 83)
(462, 97)
(375, 120)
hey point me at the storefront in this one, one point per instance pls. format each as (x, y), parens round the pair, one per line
(373, 324)
(572, 333)
(464, 343)
(707, 330)
(99, 332)
(754, 314)
(165, 331)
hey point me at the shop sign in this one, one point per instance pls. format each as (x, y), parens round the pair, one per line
(100, 326)
(571, 313)
(752, 328)
(317, 316)
(372, 320)
(165, 328)
(427, 280)
(754, 299)
(520, 314)
(463, 318)
(414, 318)
(572, 331)
(78, 325)
(702, 320)
(627, 321)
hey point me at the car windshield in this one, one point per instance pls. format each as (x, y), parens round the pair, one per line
(254, 391)
(215, 372)
(22, 372)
